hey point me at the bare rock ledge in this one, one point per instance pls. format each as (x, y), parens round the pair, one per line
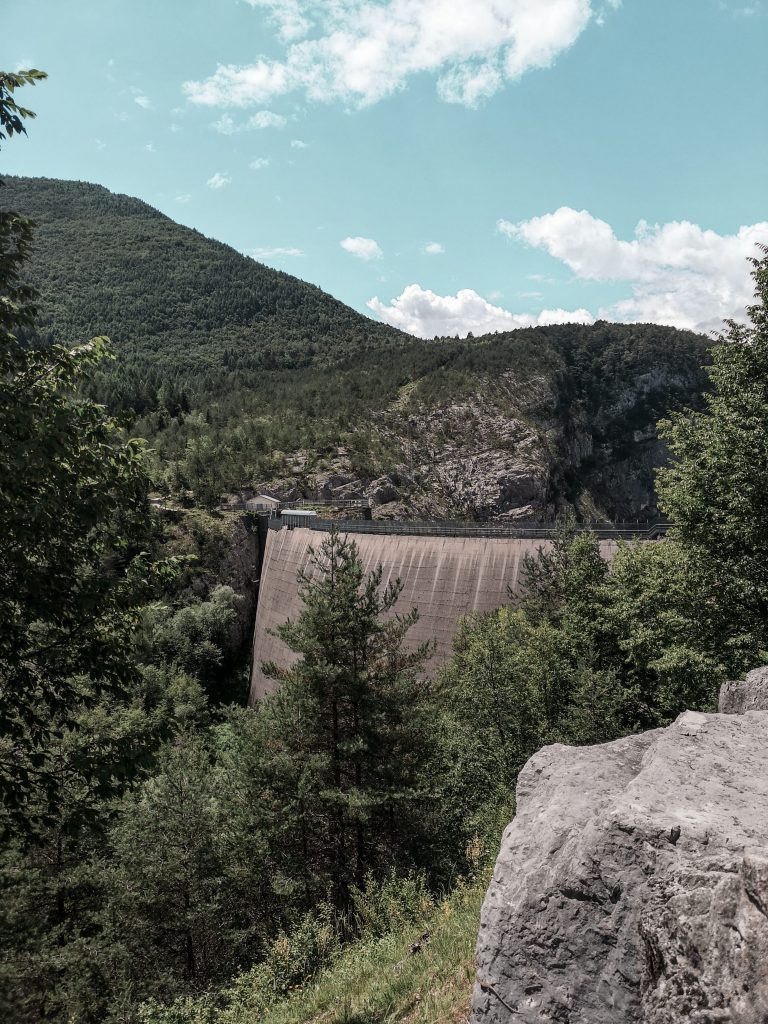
(632, 885)
(750, 694)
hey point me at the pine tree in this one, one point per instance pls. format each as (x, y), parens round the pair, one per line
(168, 887)
(349, 729)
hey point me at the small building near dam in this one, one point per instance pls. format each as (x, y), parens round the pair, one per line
(293, 517)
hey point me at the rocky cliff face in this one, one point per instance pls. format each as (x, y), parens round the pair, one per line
(632, 885)
(512, 447)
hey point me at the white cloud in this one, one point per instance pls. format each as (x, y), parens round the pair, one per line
(226, 125)
(267, 254)
(138, 97)
(363, 248)
(470, 83)
(150, 147)
(739, 10)
(360, 51)
(603, 13)
(184, 198)
(266, 119)
(218, 181)
(234, 86)
(680, 274)
(421, 312)
(259, 163)
(298, 144)
(100, 144)
(434, 249)
(288, 15)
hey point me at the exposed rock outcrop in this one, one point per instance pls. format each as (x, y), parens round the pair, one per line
(750, 694)
(224, 550)
(632, 886)
(515, 446)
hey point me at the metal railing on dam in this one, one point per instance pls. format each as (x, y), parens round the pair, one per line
(341, 503)
(499, 530)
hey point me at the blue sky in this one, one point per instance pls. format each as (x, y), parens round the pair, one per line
(444, 165)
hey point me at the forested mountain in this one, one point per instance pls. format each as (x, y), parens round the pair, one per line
(243, 376)
(174, 302)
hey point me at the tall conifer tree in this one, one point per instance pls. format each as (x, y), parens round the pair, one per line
(351, 735)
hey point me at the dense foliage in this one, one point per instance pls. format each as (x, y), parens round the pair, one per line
(81, 714)
(75, 526)
(595, 650)
(184, 311)
(717, 489)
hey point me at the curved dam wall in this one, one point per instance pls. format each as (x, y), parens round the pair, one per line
(444, 577)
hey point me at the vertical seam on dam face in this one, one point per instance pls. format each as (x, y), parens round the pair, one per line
(443, 577)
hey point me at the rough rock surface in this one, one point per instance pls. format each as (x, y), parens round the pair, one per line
(238, 569)
(513, 447)
(632, 886)
(750, 694)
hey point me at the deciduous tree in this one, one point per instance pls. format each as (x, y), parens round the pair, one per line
(75, 526)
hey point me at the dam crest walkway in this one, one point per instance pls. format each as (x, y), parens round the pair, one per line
(452, 528)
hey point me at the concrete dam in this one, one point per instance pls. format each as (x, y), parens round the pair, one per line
(447, 572)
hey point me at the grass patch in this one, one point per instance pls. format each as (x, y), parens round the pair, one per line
(386, 980)
(404, 395)
(382, 982)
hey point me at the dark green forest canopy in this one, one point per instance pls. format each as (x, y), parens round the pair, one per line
(151, 284)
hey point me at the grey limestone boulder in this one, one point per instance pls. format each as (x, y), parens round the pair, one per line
(383, 491)
(632, 885)
(750, 694)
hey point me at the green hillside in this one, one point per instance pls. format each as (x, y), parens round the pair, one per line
(174, 302)
(242, 376)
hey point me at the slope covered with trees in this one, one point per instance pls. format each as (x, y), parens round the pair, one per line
(239, 375)
(173, 302)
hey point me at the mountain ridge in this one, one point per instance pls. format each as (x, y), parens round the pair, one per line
(213, 270)
(240, 376)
